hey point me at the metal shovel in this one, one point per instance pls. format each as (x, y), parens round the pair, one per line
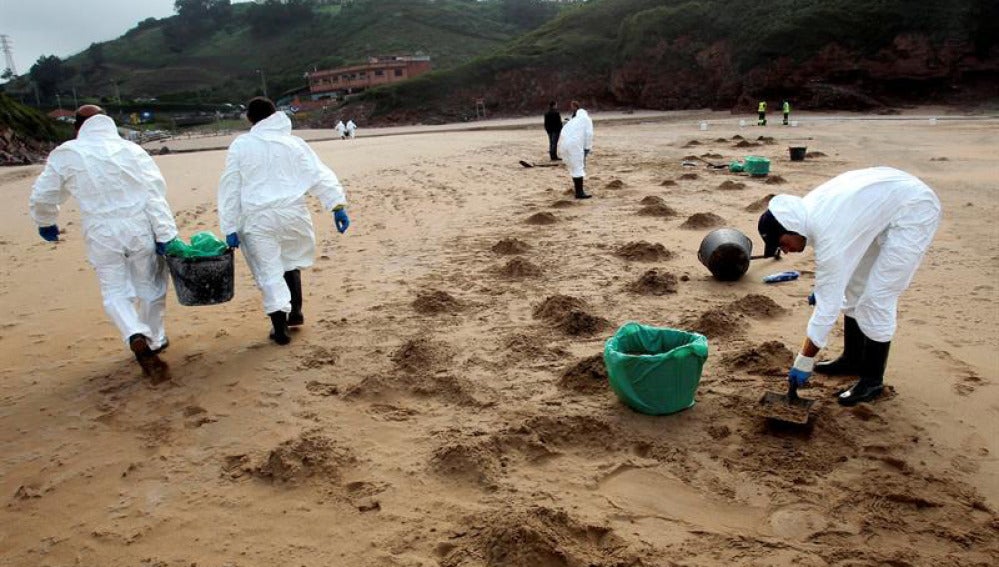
(788, 408)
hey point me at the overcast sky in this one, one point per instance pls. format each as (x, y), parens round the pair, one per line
(66, 27)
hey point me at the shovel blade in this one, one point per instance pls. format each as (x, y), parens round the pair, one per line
(781, 407)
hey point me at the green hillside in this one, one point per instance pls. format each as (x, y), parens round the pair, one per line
(215, 56)
(683, 54)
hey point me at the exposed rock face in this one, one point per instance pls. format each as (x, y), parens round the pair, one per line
(18, 150)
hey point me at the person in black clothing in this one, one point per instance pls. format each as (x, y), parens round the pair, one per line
(553, 125)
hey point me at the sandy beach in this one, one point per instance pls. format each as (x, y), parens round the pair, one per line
(438, 409)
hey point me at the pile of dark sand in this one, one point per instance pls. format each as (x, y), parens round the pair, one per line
(518, 268)
(657, 210)
(654, 282)
(757, 306)
(702, 221)
(434, 302)
(542, 218)
(587, 376)
(759, 205)
(652, 200)
(642, 251)
(511, 246)
(771, 358)
(729, 185)
(615, 184)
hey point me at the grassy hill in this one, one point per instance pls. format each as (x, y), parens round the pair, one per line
(217, 59)
(688, 54)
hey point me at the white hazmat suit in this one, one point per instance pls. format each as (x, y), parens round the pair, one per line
(341, 129)
(351, 128)
(870, 229)
(122, 199)
(262, 198)
(575, 139)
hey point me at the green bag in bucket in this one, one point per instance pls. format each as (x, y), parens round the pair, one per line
(203, 244)
(655, 370)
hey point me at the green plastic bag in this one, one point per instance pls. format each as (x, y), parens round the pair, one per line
(736, 167)
(203, 245)
(655, 370)
(757, 166)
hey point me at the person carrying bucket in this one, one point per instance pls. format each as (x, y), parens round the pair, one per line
(870, 229)
(127, 224)
(761, 110)
(787, 111)
(261, 204)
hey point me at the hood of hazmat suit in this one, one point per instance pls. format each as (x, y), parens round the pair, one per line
(261, 196)
(872, 225)
(122, 198)
(577, 136)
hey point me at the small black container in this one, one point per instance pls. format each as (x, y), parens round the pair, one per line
(203, 281)
(797, 153)
(726, 252)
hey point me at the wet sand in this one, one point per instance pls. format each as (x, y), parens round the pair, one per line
(446, 404)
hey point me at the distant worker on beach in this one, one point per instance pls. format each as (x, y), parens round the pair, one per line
(553, 126)
(351, 128)
(870, 229)
(787, 111)
(261, 203)
(341, 129)
(761, 109)
(127, 224)
(574, 144)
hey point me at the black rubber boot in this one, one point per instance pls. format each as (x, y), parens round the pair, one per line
(279, 319)
(853, 344)
(872, 374)
(294, 281)
(577, 184)
(152, 366)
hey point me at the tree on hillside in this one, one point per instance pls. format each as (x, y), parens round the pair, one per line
(272, 16)
(48, 72)
(199, 10)
(528, 14)
(195, 19)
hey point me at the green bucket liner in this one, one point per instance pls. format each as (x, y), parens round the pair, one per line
(655, 370)
(203, 244)
(757, 166)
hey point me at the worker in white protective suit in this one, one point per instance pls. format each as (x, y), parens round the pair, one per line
(127, 224)
(870, 229)
(341, 129)
(574, 144)
(351, 128)
(262, 208)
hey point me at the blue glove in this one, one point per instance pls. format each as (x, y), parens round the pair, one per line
(49, 233)
(161, 248)
(798, 377)
(232, 240)
(811, 298)
(801, 371)
(341, 220)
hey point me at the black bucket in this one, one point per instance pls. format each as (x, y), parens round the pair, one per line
(797, 153)
(726, 252)
(203, 281)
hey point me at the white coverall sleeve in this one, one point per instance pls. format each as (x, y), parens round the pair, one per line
(230, 204)
(324, 183)
(46, 196)
(157, 209)
(830, 289)
(588, 135)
